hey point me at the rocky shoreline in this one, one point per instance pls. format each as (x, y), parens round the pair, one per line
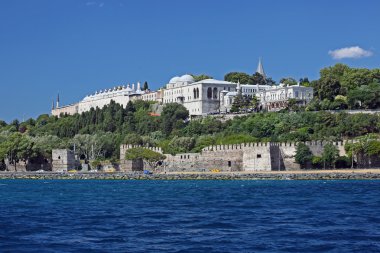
(353, 175)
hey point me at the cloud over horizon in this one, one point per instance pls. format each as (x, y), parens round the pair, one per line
(350, 52)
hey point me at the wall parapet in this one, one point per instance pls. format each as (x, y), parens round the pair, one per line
(129, 146)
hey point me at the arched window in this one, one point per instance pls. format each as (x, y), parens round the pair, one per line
(215, 93)
(197, 93)
(209, 92)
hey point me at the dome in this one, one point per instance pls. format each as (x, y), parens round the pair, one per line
(187, 78)
(174, 79)
(128, 88)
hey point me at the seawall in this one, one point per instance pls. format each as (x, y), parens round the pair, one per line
(281, 175)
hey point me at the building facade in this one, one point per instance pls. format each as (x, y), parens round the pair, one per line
(199, 98)
(120, 94)
(278, 97)
(209, 96)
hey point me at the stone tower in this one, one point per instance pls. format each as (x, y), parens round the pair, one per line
(63, 160)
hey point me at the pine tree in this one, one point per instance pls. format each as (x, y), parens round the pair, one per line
(145, 86)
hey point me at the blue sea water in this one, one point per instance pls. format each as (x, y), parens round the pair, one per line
(189, 216)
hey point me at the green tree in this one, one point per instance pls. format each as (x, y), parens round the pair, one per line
(181, 144)
(238, 103)
(257, 78)
(16, 147)
(145, 86)
(149, 157)
(235, 77)
(335, 72)
(354, 78)
(201, 77)
(303, 155)
(304, 82)
(366, 97)
(330, 155)
(289, 81)
(133, 139)
(172, 114)
(327, 88)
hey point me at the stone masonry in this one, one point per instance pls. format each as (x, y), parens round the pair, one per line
(268, 156)
(63, 160)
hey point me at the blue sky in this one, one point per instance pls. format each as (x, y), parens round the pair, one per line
(76, 47)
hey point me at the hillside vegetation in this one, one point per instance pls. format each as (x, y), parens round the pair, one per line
(97, 134)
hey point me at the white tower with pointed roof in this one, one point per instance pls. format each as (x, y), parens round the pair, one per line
(260, 69)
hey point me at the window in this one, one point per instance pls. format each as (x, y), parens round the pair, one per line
(229, 163)
(258, 156)
(215, 93)
(209, 92)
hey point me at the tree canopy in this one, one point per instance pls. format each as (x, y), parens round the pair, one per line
(148, 156)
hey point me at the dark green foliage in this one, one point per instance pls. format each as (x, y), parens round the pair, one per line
(289, 81)
(237, 77)
(133, 139)
(244, 78)
(329, 156)
(173, 117)
(201, 77)
(303, 155)
(99, 132)
(147, 155)
(343, 162)
(257, 78)
(145, 86)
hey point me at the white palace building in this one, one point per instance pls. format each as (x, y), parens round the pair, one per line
(200, 98)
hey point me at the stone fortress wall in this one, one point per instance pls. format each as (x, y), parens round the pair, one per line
(63, 160)
(262, 156)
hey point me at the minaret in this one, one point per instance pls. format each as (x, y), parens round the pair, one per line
(238, 87)
(260, 69)
(138, 86)
(57, 101)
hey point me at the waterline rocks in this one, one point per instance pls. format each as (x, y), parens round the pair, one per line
(353, 175)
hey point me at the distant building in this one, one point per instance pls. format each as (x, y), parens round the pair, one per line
(249, 90)
(278, 97)
(200, 98)
(120, 94)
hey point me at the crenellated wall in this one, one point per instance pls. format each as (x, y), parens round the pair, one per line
(260, 156)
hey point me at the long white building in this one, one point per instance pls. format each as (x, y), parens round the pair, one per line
(200, 98)
(120, 94)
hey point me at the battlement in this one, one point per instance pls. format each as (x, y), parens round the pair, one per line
(242, 146)
(125, 147)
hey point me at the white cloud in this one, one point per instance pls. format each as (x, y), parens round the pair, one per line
(99, 4)
(350, 52)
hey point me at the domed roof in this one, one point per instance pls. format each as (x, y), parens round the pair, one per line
(187, 78)
(174, 79)
(128, 88)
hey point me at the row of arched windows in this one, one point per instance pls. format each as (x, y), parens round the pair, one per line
(196, 93)
(212, 93)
